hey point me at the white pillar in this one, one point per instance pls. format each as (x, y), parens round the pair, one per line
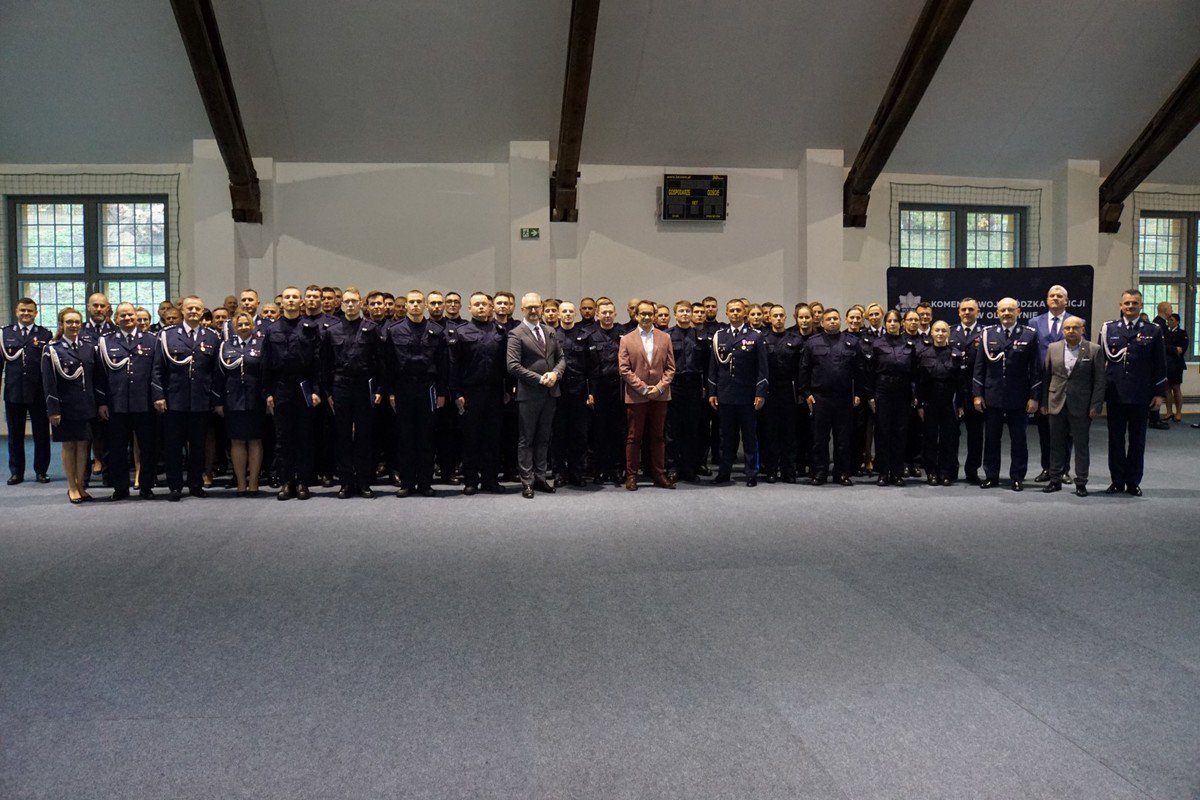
(820, 227)
(213, 244)
(531, 268)
(1077, 217)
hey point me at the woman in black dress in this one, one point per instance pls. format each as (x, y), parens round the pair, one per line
(69, 377)
(238, 383)
(1176, 342)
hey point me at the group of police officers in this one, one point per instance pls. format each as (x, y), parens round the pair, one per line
(357, 390)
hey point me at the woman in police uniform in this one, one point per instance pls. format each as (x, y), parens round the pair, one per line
(70, 380)
(889, 368)
(237, 381)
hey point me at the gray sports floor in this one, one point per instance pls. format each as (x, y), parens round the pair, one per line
(777, 642)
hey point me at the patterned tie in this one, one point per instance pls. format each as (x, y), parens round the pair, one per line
(537, 334)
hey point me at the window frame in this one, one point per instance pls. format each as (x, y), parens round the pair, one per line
(92, 276)
(1186, 278)
(958, 228)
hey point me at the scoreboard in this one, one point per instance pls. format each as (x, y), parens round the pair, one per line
(694, 197)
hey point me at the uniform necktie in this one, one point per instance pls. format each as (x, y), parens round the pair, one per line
(192, 335)
(1053, 327)
(24, 332)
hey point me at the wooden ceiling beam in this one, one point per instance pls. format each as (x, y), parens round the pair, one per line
(202, 40)
(1170, 126)
(930, 39)
(564, 181)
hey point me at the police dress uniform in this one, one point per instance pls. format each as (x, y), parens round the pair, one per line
(686, 419)
(737, 375)
(777, 433)
(128, 361)
(24, 396)
(889, 370)
(943, 389)
(1007, 376)
(478, 376)
(967, 341)
(184, 361)
(91, 332)
(238, 382)
(829, 372)
(606, 386)
(351, 356)
(1137, 373)
(416, 366)
(73, 386)
(291, 375)
(1175, 340)
(570, 438)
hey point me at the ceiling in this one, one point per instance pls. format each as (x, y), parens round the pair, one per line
(1026, 84)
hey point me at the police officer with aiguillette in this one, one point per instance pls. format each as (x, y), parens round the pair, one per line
(128, 358)
(291, 380)
(737, 388)
(965, 338)
(24, 396)
(415, 365)
(1006, 386)
(478, 375)
(350, 361)
(829, 382)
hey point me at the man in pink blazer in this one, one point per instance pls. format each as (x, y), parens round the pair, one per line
(646, 362)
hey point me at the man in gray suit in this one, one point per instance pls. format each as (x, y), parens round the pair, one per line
(1073, 384)
(537, 362)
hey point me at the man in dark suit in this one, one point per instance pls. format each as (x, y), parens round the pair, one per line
(647, 366)
(1073, 382)
(1049, 329)
(23, 343)
(536, 361)
(1137, 383)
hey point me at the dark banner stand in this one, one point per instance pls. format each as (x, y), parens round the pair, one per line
(943, 288)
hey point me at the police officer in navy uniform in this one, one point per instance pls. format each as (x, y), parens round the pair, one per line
(22, 345)
(888, 372)
(737, 386)
(448, 429)
(605, 396)
(943, 386)
(571, 415)
(238, 382)
(416, 367)
(1006, 387)
(127, 357)
(98, 323)
(831, 385)
(182, 390)
(965, 337)
(686, 414)
(351, 357)
(1137, 382)
(323, 460)
(291, 380)
(478, 376)
(74, 389)
(777, 436)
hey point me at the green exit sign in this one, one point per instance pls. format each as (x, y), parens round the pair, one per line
(531, 233)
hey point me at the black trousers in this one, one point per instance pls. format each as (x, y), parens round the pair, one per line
(738, 419)
(892, 412)
(294, 435)
(804, 438)
(609, 421)
(864, 425)
(15, 414)
(509, 433)
(833, 414)
(353, 425)
(1127, 424)
(941, 439)
(385, 436)
(687, 425)
(185, 429)
(415, 405)
(325, 457)
(778, 432)
(570, 439)
(915, 447)
(448, 439)
(994, 422)
(973, 422)
(121, 429)
(482, 413)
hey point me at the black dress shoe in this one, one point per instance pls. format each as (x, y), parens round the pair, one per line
(14, 479)
(174, 495)
(987, 483)
(1114, 488)
(1042, 477)
(43, 478)
(527, 491)
(721, 480)
(470, 489)
(197, 491)
(402, 493)
(883, 481)
(327, 482)
(898, 481)
(146, 493)
(302, 492)
(366, 493)
(790, 479)
(578, 482)
(753, 481)
(973, 479)
(846, 481)
(705, 472)
(542, 485)
(494, 488)
(914, 472)
(819, 481)
(118, 496)
(770, 478)
(344, 493)
(1052, 486)
(425, 491)
(285, 492)
(1081, 491)
(1017, 486)
(947, 481)
(932, 480)
(1134, 491)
